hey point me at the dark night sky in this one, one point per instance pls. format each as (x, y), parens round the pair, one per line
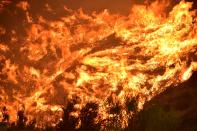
(117, 6)
(38, 7)
(120, 6)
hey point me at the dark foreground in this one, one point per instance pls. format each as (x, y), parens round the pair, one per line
(173, 110)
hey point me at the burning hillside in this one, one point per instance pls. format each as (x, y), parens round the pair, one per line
(104, 58)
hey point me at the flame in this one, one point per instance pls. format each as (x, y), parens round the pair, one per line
(98, 56)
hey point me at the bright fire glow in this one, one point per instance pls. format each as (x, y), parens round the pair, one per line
(96, 56)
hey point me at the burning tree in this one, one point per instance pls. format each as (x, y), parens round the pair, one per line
(45, 62)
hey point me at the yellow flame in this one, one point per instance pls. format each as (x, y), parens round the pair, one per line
(99, 56)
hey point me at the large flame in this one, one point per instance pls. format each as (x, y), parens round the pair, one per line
(94, 57)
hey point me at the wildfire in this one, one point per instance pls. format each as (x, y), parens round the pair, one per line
(96, 57)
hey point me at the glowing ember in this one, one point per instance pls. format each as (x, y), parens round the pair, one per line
(96, 57)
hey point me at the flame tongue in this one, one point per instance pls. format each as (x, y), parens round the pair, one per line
(98, 57)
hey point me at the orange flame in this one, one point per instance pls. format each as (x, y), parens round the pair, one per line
(97, 56)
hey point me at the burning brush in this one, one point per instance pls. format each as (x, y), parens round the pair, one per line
(103, 63)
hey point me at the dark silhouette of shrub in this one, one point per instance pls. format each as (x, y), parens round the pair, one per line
(21, 119)
(68, 122)
(5, 114)
(115, 109)
(131, 104)
(87, 117)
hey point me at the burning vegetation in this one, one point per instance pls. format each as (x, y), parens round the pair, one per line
(92, 70)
